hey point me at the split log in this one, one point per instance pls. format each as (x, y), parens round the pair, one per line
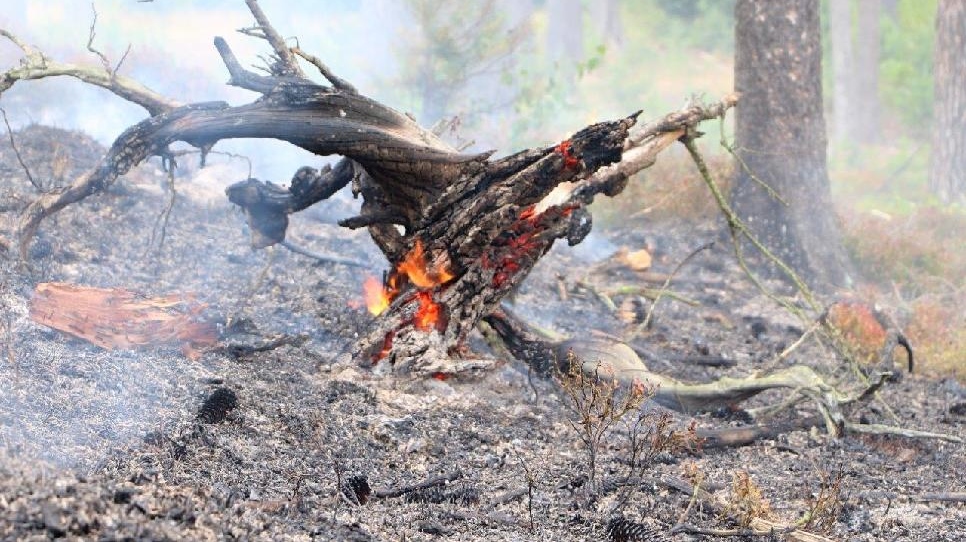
(459, 230)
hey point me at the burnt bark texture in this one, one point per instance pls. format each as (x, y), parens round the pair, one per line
(947, 172)
(459, 231)
(780, 133)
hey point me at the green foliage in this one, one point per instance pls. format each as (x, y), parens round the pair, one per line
(906, 65)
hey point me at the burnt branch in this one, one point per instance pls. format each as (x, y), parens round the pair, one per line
(36, 65)
(472, 227)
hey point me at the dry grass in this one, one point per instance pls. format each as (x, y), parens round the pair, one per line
(670, 189)
(746, 502)
(918, 261)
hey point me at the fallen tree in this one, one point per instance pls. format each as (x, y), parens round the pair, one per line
(459, 230)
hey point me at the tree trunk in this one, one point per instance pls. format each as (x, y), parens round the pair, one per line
(947, 173)
(867, 105)
(780, 132)
(843, 61)
(609, 17)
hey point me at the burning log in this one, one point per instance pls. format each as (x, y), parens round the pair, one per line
(116, 318)
(471, 228)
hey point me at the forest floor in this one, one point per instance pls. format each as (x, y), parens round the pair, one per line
(110, 444)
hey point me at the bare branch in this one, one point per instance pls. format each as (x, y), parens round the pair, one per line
(13, 144)
(27, 49)
(90, 40)
(336, 81)
(34, 65)
(287, 65)
(239, 76)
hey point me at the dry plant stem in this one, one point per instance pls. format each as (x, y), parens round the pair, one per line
(738, 229)
(651, 293)
(161, 224)
(879, 429)
(16, 152)
(759, 526)
(791, 348)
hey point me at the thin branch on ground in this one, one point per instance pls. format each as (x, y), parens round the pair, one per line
(323, 257)
(161, 223)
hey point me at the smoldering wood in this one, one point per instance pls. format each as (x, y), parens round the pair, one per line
(485, 222)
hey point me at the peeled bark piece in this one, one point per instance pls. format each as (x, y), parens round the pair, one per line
(116, 318)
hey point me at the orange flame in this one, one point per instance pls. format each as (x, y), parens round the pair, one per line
(377, 296)
(427, 315)
(420, 274)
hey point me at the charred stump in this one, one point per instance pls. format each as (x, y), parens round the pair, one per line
(459, 230)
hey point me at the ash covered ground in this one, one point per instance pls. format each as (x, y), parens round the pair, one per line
(149, 444)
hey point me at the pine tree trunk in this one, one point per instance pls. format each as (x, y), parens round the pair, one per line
(780, 132)
(947, 175)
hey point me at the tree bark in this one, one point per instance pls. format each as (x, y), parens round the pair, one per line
(780, 132)
(947, 172)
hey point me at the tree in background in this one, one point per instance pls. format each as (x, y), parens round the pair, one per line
(947, 172)
(780, 133)
(855, 62)
(457, 46)
(565, 36)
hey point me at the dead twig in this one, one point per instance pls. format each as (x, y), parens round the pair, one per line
(323, 257)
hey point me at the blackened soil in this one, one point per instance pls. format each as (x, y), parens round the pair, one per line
(284, 444)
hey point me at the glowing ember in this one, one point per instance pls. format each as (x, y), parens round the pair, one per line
(570, 161)
(427, 315)
(386, 347)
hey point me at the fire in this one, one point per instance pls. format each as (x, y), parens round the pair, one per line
(427, 315)
(377, 296)
(425, 276)
(414, 267)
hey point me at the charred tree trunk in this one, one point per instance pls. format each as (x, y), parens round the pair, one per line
(780, 132)
(947, 173)
(459, 231)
